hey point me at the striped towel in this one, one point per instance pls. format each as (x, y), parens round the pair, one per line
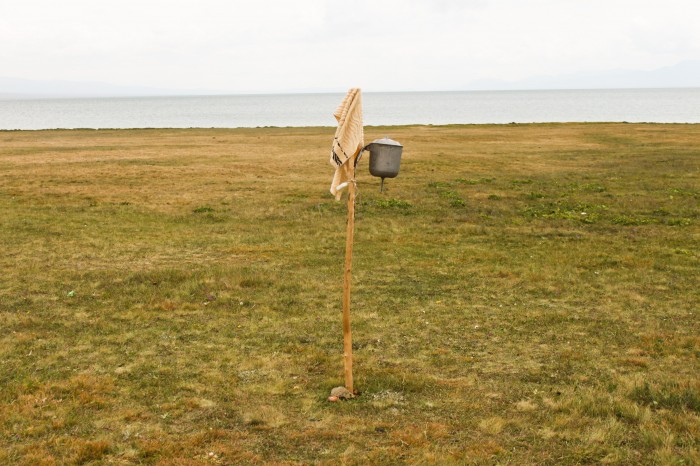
(348, 141)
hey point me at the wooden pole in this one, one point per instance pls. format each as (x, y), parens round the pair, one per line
(347, 334)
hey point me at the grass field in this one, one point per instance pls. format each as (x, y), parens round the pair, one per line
(523, 294)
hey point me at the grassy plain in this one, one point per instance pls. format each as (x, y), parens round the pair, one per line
(523, 294)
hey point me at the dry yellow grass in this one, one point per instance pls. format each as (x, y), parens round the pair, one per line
(524, 294)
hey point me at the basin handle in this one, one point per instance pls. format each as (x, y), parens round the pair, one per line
(359, 156)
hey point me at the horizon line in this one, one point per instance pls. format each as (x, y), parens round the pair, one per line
(58, 96)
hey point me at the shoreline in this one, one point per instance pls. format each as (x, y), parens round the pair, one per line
(331, 128)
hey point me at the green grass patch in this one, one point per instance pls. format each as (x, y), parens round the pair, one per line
(521, 294)
(670, 396)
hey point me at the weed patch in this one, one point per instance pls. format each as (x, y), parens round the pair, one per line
(668, 396)
(391, 203)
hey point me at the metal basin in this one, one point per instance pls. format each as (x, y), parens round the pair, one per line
(384, 158)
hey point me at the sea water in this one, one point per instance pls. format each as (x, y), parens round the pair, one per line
(401, 108)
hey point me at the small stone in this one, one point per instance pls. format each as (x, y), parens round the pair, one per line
(342, 393)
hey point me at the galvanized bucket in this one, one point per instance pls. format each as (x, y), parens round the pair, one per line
(384, 158)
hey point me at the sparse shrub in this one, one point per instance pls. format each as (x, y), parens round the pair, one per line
(629, 220)
(677, 222)
(671, 396)
(474, 181)
(535, 196)
(593, 188)
(391, 203)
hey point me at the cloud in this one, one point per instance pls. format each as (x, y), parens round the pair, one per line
(275, 45)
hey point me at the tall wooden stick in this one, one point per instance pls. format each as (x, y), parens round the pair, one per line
(347, 334)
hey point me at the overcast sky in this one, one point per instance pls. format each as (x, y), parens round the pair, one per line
(330, 45)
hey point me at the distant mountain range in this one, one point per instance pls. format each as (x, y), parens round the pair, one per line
(683, 74)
